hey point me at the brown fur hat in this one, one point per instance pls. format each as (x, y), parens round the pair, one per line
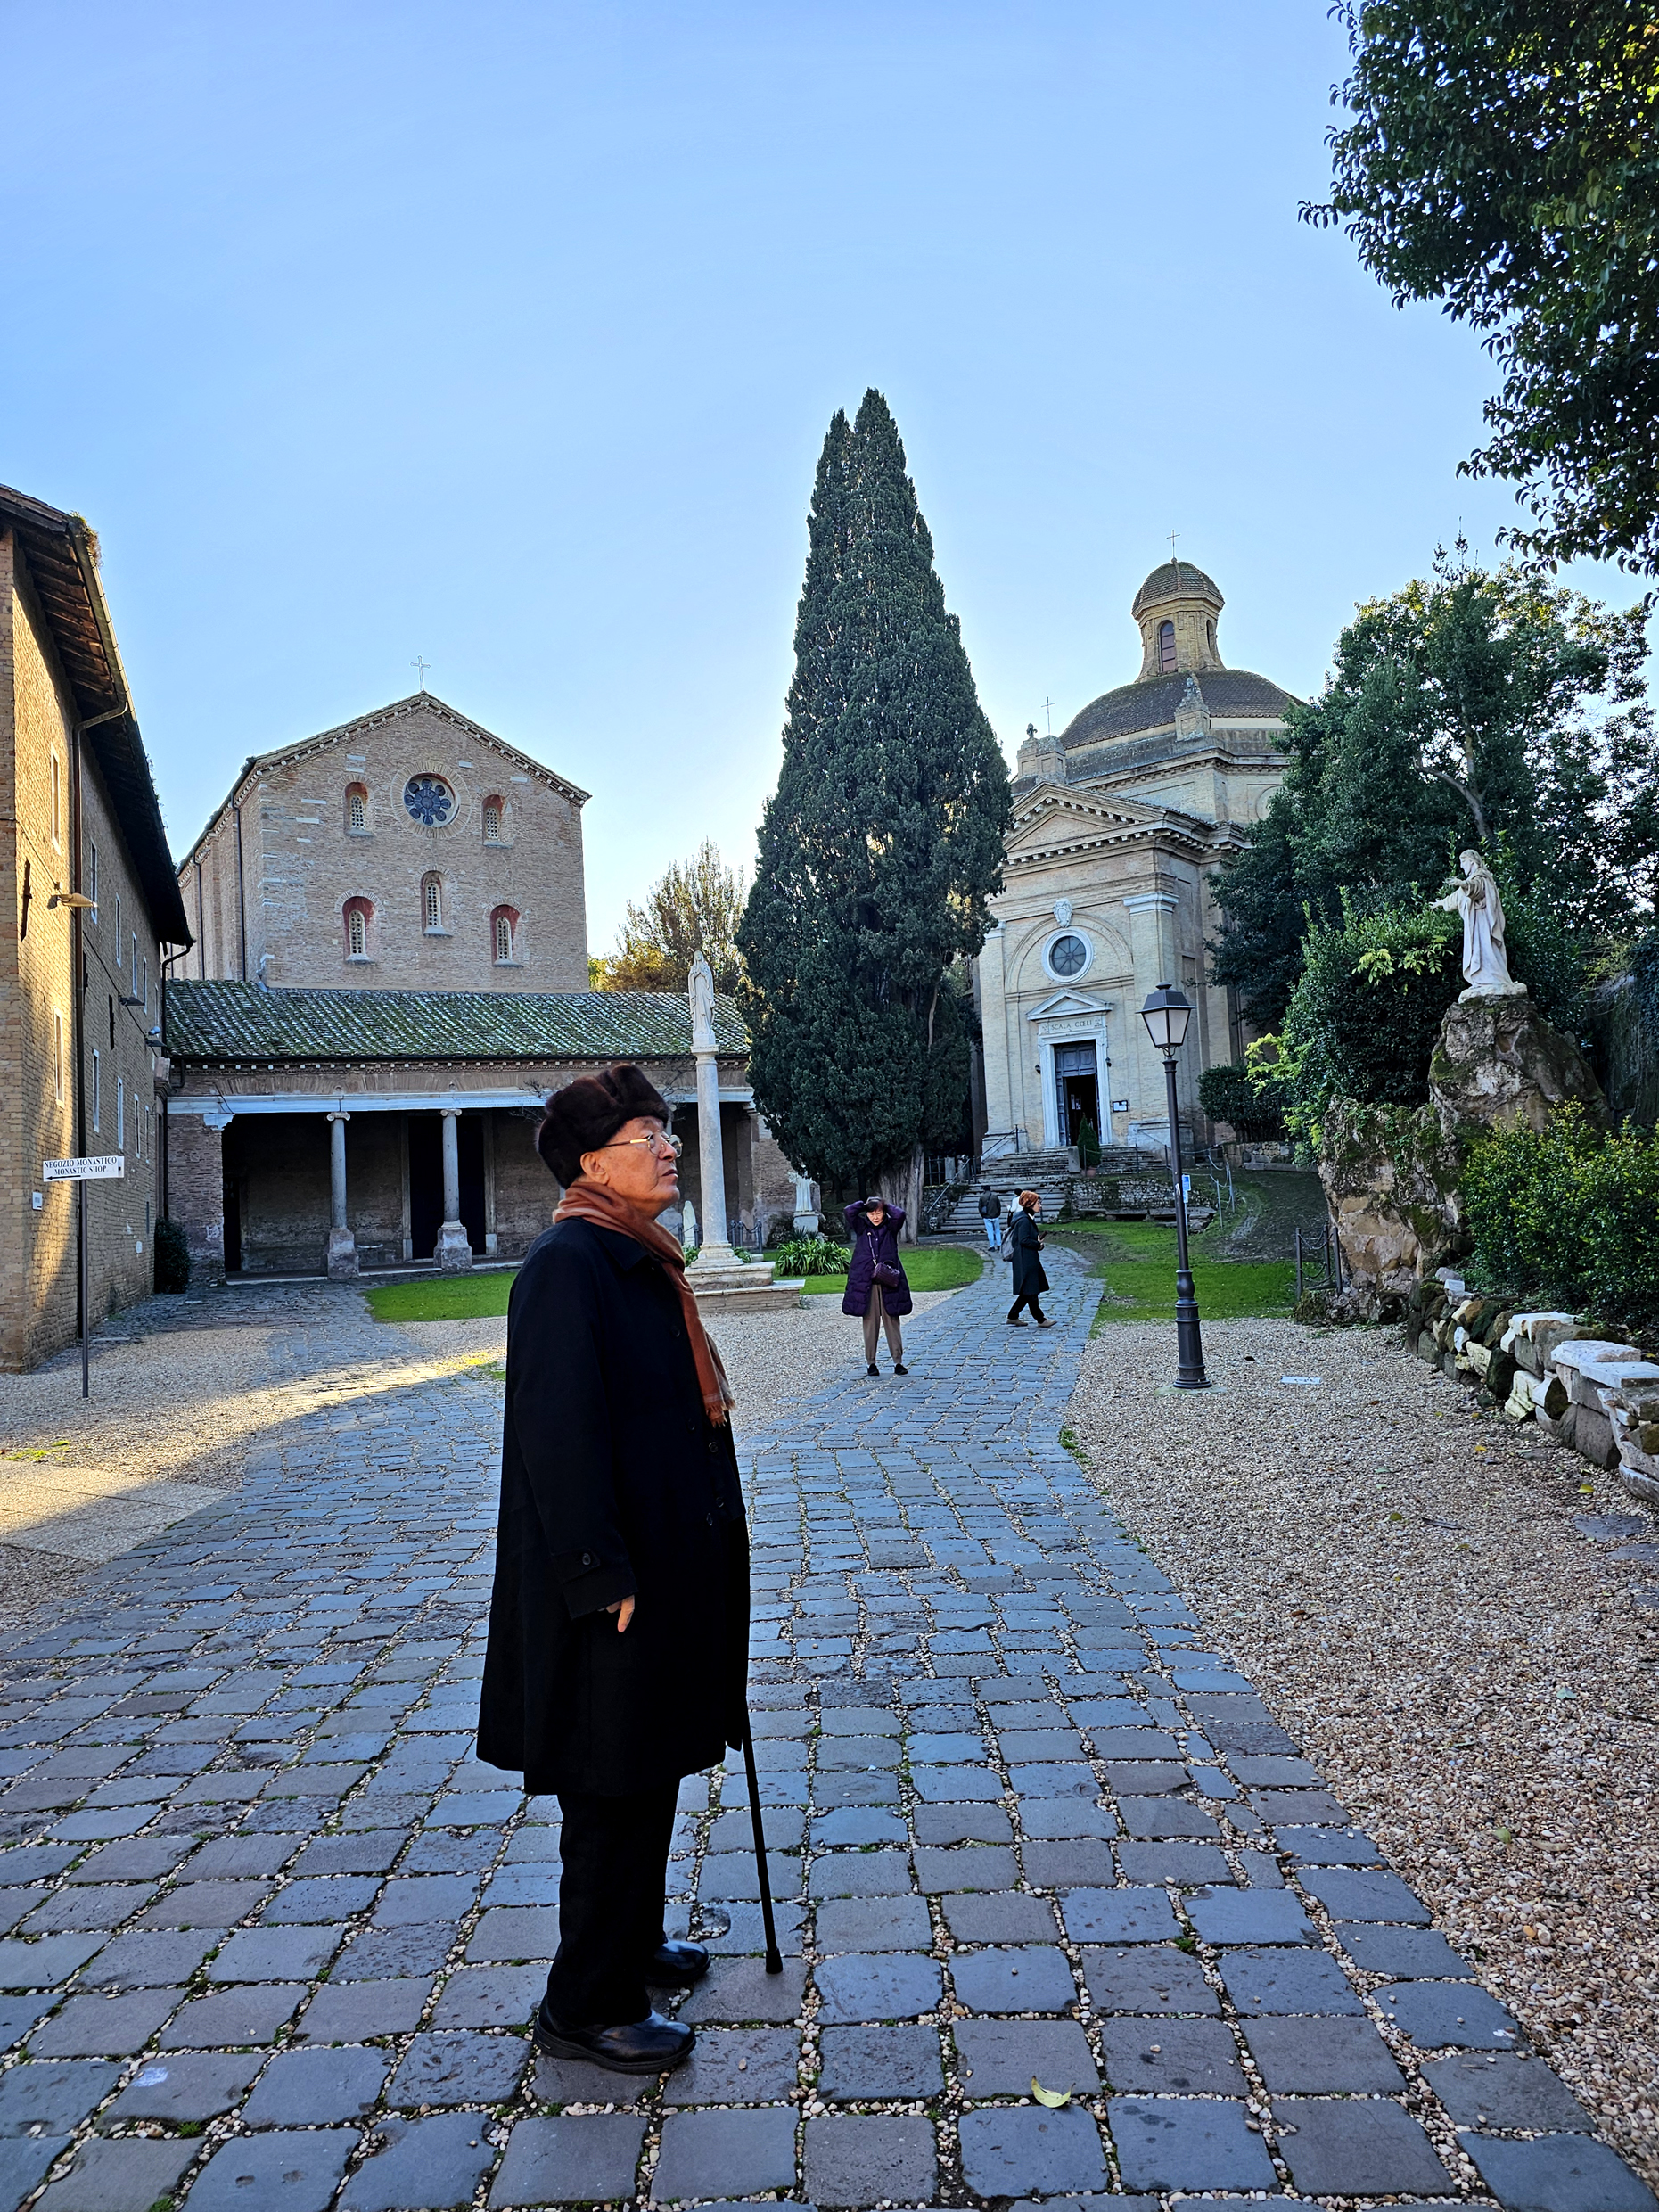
(587, 1113)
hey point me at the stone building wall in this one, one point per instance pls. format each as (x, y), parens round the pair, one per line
(305, 861)
(38, 1288)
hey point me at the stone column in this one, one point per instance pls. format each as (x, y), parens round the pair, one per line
(342, 1246)
(714, 1250)
(1153, 946)
(454, 1254)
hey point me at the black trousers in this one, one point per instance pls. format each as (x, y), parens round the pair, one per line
(1029, 1298)
(614, 1855)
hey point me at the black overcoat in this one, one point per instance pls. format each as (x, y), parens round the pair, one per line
(869, 1245)
(614, 1484)
(1029, 1280)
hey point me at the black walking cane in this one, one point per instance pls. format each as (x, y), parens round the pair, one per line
(774, 1956)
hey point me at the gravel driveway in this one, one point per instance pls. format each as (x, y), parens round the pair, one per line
(1403, 1580)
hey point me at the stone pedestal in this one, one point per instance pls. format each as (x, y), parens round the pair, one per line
(342, 1256)
(451, 1251)
(1498, 1062)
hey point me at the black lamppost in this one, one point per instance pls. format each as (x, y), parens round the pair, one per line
(1166, 1013)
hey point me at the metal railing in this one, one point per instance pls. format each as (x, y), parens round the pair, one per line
(1318, 1248)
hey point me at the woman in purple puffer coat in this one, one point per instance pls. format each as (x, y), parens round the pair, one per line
(876, 1288)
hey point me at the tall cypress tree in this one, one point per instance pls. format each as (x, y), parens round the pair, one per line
(882, 843)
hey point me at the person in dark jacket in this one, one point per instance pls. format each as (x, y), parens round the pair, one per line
(619, 1625)
(990, 1214)
(1030, 1281)
(876, 1287)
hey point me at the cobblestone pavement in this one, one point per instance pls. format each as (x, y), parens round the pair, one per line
(275, 1936)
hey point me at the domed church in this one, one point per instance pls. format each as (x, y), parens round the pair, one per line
(1118, 823)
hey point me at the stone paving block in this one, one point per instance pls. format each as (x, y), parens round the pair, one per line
(983, 1867)
(125, 2176)
(513, 1932)
(1323, 2057)
(863, 2159)
(1557, 2174)
(858, 1874)
(331, 1897)
(1443, 2016)
(962, 1824)
(1014, 2150)
(1328, 1846)
(1118, 1916)
(1287, 1981)
(893, 1986)
(1160, 1818)
(352, 2012)
(1362, 1895)
(956, 1785)
(250, 2014)
(96, 1905)
(589, 2158)
(47, 1964)
(1356, 2145)
(1031, 1978)
(370, 1851)
(741, 1989)
(459, 2066)
(1189, 1865)
(239, 1858)
(273, 1954)
(736, 2066)
(737, 2152)
(1068, 1865)
(414, 1900)
(308, 2088)
(849, 1825)
(54, 2098)
(23, 2163)
(1510, 2091)
(1411, 1953)
(1001, 2058)
(141, 1961)
(185, 2085)
(1248, 1916)
(1056, 1819)
(490, 1997)
(1188, 2144)
(1172, 2058)
(206, 1904)
(1146, 1979)
(731, 1874)
(428, 2165)
(395, 1953)
(880, 2064)
(1008, 1917)
(874, 1924)
(102, 2027)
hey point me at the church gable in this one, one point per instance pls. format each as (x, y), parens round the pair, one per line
(407, 715)
(1058, 823)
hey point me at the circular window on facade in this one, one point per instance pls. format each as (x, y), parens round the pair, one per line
(429, 800)
(1068, 955)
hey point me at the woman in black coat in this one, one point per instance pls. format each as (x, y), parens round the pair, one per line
(619, 1625)
(873, 1228)
(1030, 1281)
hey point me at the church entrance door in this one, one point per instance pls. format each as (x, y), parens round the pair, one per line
(426, 1180)
(1078, 1087)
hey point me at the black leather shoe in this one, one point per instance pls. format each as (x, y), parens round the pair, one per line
(901, 1369)
(872, 1369)
(677, 1965)
(647, 2047)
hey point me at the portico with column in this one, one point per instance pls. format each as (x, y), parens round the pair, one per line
(453, 1253)
(341, 1260)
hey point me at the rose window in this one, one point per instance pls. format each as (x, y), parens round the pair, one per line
(429, 799)
(1068, 956)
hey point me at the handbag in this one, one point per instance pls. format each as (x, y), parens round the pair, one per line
(889, 1278)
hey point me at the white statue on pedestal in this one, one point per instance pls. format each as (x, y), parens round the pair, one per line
(1485, 963)
(702, 987)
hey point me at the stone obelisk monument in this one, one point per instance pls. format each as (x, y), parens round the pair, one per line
(714, 1251)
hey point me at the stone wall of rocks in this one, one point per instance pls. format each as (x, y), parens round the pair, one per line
(1599, 1398)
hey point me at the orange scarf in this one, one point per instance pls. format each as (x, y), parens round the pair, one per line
(592, 1202)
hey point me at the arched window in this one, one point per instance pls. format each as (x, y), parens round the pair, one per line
(359, 912)
(492, 821)
(357, 810)
(1210, 633)
(504, 932)
(432, 902)
(1166, 647)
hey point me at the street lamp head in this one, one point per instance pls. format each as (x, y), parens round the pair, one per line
(1166, 1013)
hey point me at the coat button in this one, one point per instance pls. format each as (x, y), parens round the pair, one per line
(710, 1518)
(588, 1558)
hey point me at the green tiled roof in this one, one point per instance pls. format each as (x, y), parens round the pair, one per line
(209, 1022)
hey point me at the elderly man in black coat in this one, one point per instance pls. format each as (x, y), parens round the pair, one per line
(619, 1626)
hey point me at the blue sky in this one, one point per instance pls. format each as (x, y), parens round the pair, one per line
(507, 335)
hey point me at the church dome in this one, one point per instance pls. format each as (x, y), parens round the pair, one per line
(1176, 580)
(1151, 702)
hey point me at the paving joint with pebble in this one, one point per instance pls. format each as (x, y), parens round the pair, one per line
(275, 1936)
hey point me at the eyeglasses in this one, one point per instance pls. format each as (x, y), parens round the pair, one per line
(659, 1142)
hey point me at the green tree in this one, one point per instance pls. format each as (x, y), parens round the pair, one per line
(1479, 707)
(694, 907)
(880, 844)
(1500, 157)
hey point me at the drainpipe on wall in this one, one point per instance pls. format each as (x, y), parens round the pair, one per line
(242, 892)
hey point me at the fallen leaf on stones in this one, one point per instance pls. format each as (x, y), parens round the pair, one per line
(1054, 2099)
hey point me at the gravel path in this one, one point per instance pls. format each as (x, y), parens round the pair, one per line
(1403, 1582)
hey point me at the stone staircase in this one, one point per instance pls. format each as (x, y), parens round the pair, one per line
(743, 1287)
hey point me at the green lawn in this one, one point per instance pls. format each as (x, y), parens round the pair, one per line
(1136, 1262)
(934, 1267)
(442, 1297)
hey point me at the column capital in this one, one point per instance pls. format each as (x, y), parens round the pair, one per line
(1153, 901)
(339, 1116)
(451, 1113)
